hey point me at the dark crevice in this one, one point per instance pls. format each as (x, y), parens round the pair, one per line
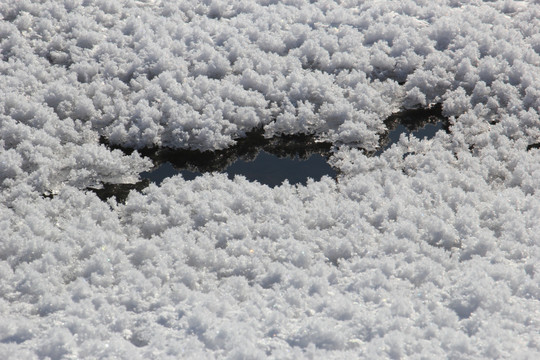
(247, 148)
(119, 191)
(270, 161)
(421, 123)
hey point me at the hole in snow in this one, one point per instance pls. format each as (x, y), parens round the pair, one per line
(420, 123)
(294, 158)
(266, 168)
(268, 161)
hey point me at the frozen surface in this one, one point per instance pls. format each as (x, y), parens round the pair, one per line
(429, 250)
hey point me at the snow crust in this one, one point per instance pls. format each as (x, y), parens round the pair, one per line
(430, 250)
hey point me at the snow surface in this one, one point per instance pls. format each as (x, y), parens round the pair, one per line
(430, 250)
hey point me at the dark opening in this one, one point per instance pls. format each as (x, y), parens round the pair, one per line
(271, 161)
(266, 168)
(420, 123)
(268, 161)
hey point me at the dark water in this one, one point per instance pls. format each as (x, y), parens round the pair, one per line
(271, 161)
(421, 123)
(268, 161)
(266, 168)
(428, 131)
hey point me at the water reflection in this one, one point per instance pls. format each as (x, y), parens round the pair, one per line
(268, 161)
(294, 158)
(266, 168)
(271, 161)
(420, 123)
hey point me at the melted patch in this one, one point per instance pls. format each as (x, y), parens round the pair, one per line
(272, 161)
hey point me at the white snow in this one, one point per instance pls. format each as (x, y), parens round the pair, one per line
(430, 250)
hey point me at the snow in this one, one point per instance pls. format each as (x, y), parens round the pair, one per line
(429, 250)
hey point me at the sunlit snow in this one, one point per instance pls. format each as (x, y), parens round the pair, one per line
(428, 248)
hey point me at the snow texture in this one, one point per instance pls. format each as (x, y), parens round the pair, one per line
(430, 250)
